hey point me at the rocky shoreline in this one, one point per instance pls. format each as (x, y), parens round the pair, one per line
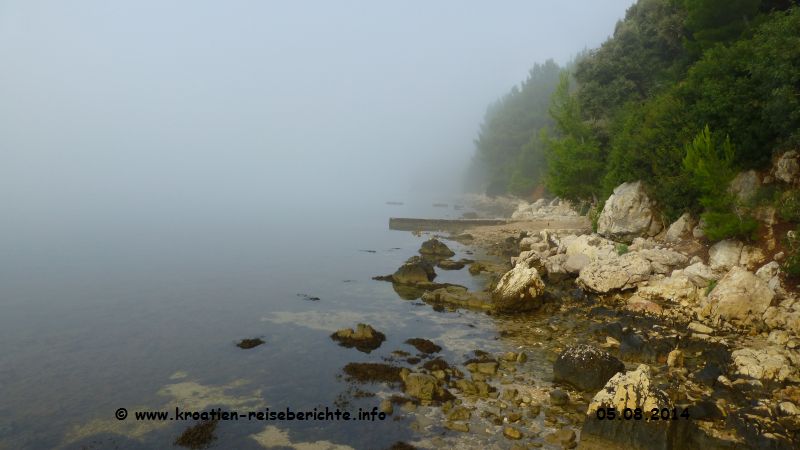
(691, 344)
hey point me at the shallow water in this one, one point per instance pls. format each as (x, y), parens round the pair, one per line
(146, 315)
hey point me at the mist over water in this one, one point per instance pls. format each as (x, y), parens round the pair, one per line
(171, 173)
(127, 109)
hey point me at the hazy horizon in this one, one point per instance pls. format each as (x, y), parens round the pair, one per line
(146, 106)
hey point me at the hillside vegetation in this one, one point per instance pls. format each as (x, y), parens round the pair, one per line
(684, 95)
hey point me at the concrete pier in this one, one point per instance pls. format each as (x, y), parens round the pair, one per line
(411, 224)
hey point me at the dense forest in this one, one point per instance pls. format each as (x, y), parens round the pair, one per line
(683, 95)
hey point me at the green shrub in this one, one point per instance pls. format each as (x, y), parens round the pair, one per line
(724, 225)
(711, 285)
(594, 216)
(765, 195)
(711, 169)
(584, 208)
(622, 249)
(792, 264)
(789, 208)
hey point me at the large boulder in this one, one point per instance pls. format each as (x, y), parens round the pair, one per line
(663, 260)
(677, 288)
(766, 364)
(751, 257)
(634, 389)
(586, 367)
(519, 289)
(555, 268)
(787, 167)
(592, 246)
(573, 264)
(700, 274)
(436, 248)
(780, 317)
(725, 254)
(770, 274)
(621, 273)
(740, 297)
(628, 213)
(680, 229)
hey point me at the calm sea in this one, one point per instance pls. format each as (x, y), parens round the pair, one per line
(144, 314)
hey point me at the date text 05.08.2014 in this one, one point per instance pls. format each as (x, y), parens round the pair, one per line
(655, 414)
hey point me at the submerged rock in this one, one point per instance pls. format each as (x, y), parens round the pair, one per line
(249, 343)
(424, 387)
(198, 436)
(449, 264)
(586, 367)
(373, 372)
(518, 290)
(512, 433)
(424, 345)
(457, 296)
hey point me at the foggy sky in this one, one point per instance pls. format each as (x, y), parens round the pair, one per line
(146, 105)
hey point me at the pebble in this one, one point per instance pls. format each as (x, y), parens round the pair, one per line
(558, 397)
(459, 413)
(788, 409)
(675, 358)
(458, 426)
(512, 433)
(700, 328)
(563, 437)
(514, 417)
(386, 407)
(509, 356)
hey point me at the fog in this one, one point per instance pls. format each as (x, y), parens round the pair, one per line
(129, 109)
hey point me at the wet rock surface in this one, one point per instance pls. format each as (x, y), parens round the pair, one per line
(423, 345)
(373, 372)
(247, 344)
(586, 323)
(586, 367)
(198, 436)
(364, 338)
(518, 290)
(436, 248)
